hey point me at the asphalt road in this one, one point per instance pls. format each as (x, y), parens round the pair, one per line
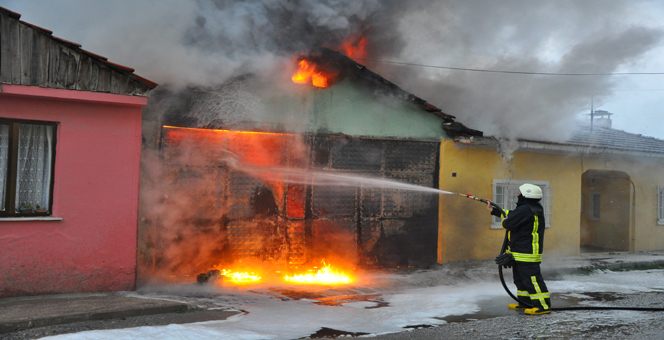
(494, 324)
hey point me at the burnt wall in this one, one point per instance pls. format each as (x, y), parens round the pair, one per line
(212, 212)
(392, 227)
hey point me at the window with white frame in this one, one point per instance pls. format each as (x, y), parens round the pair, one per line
(660, 205)
(505, 193)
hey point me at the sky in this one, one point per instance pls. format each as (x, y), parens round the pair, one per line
(205, 42)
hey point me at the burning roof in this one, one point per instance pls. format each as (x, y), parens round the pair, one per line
(339, 66)
(231, 104)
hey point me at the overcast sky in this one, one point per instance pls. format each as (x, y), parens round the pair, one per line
(207, 40)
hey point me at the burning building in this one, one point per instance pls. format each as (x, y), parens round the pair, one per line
(294, 186)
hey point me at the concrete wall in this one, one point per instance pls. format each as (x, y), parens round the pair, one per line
(352, 109)
(93, 247)
(465, 226)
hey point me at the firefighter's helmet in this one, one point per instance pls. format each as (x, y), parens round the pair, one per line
(530, 191)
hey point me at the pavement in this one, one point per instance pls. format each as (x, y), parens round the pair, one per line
(18, 314)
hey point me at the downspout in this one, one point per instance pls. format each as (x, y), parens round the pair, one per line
(440, 242)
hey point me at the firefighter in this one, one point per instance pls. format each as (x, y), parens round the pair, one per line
(525, 232)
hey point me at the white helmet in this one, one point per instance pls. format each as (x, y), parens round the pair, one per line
(530, 191)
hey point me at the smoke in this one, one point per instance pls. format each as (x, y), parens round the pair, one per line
(564, 36)
(207, 42)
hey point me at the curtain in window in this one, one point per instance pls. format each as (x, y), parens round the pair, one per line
(33, 179)
(4, 147)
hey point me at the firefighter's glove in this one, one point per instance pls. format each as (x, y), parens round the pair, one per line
(506, 260)
(497, 212)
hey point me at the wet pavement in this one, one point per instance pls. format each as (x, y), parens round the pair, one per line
(33, 317)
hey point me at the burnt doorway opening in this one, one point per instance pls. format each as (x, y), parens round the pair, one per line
(606, 211)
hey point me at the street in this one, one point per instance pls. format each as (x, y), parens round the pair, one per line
(448, 302)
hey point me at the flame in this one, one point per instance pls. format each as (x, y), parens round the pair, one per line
(323, 276)
(355, 48)
(241, 278)
(308, 72)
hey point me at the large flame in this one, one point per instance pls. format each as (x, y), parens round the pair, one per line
(326, 275)
(241, 278)
(308, 72)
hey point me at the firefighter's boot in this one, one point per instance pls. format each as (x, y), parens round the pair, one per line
(516, 306)
(536, 311)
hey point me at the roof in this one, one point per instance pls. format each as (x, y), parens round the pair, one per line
(349, 68)
(585, 139)
(32, 55)
(608, 138)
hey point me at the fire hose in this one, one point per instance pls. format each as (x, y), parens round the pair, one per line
(530, 305)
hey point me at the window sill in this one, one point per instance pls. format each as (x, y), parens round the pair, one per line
(31, 218)
(660, 222)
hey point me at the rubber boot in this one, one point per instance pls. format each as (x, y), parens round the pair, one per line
(536, 311)
(516, 306)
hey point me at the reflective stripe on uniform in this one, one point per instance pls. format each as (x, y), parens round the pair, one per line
(536, 235)
(539, 296)
(525, 257)
(522, 293)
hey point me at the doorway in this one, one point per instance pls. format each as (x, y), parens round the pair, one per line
(605, 211)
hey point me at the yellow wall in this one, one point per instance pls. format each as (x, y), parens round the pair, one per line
(465, 226)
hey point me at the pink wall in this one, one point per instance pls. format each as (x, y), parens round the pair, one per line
(95, 192)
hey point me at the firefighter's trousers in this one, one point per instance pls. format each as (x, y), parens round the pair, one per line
(530, 284)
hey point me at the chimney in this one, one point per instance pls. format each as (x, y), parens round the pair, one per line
(601, 118)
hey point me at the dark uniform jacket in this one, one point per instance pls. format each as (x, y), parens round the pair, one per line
(525, 225)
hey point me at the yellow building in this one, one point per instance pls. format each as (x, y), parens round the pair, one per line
(603, 190)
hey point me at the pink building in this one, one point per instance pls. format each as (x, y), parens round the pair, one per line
(70, 140)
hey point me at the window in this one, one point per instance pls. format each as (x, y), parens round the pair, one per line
(660, 205)
(27, 150)
(595, 201)
(505, 194)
